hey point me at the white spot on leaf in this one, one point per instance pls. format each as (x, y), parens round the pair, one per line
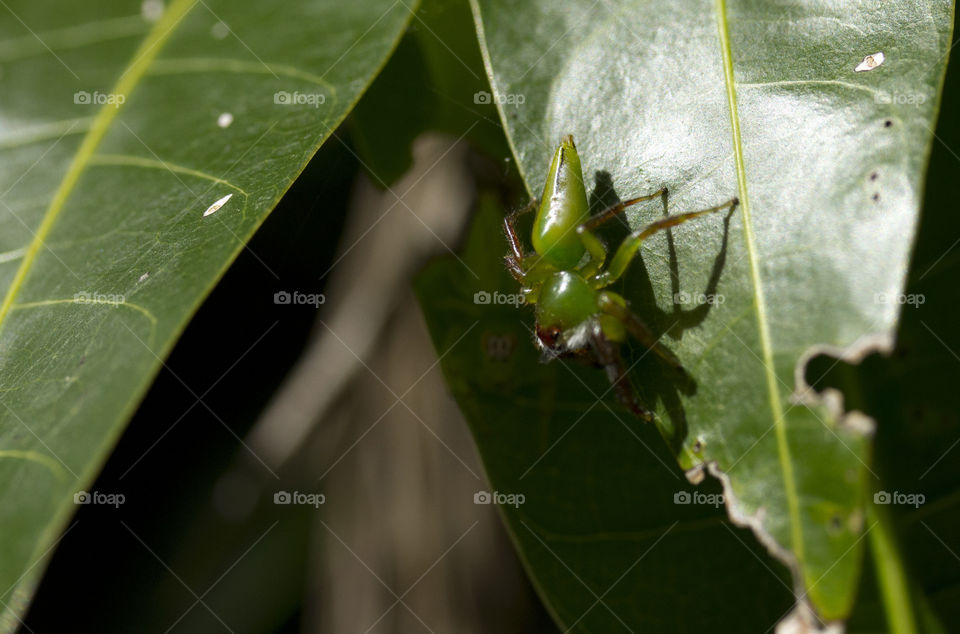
(144, 276)
(151, 10)
(224, 120)
(217, 205)
(870, 62)
(219, 30)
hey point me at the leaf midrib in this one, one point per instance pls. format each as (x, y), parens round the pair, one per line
(127, 82)
(776, 406)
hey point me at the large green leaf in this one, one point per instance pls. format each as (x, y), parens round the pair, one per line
(107, 242)
(598, 530)
(826, 149)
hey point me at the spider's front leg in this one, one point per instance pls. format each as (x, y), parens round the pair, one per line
(514, 260)
(631, 244)
(593, 244)
(595, 249)
(614, 210)
(607, 354)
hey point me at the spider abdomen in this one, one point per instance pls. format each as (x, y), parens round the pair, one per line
(563, 207)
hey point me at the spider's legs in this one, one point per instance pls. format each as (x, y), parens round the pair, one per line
(628, 248)
(514, 266)
(596, 250)
(608, 355)
(612, 212)
(593, 245)
(616, 306)
(514, 260)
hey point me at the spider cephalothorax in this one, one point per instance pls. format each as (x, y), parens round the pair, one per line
(567, 274)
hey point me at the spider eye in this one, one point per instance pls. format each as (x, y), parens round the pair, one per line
(549, 337)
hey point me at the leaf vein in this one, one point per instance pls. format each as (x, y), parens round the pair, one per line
(101, 124)
(776, 407)
(130, 160)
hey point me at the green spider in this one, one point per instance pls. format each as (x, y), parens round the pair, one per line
(575, 316)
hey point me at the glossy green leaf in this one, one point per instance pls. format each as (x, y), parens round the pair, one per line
(598, 530)
(819, 118)
(123, 126)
